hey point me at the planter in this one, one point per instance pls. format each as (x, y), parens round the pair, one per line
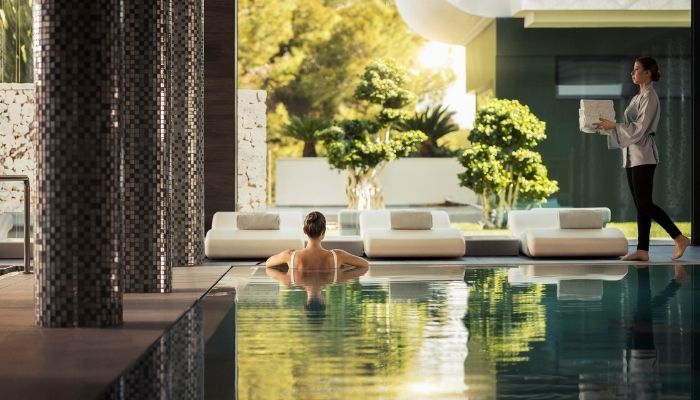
(406, 181)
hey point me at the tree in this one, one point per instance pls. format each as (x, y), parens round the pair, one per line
(435, 122)
(305, 129)
(501, 163)
(363, 147)
(16, 41)
(308, 54)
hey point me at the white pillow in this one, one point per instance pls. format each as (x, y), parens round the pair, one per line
(581, 219)
(411, 219)
(258, 221)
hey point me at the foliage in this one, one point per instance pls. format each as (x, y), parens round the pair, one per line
(503, 319)
(435, 122)
(16, 41)
(501, 163)
(630, 229)
(305, 129)
(363, 146)
(357, 319)
(309, 54)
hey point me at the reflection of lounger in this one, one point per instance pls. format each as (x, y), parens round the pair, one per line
(382, 239)
(574, 282)
(409, 273)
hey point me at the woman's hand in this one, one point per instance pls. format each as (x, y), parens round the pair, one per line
(605, 124)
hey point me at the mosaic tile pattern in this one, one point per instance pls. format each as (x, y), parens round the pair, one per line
(147, 183)
(187, 133)
(172, 368)
(77, 249)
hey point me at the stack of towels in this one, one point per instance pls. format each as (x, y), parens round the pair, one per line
(591, 111)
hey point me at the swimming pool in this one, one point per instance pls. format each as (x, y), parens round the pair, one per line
(418, 332)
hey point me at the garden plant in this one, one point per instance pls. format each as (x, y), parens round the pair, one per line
(363, 147)
(502, 166)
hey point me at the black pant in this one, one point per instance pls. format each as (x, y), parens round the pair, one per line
(641, 182)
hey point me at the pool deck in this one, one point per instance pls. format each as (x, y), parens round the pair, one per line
(81, 363)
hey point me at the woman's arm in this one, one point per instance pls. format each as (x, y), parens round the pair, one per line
(279, 259)
(346, 258)
(351, 273)
(627, 133)
(276, 274)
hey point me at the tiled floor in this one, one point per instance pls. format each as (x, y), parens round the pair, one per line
(80, 363)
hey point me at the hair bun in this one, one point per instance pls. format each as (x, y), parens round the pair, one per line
(312, 216)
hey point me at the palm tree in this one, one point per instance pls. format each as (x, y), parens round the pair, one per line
(304, 129)
(435, 122)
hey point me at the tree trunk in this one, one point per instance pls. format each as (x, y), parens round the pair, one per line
(309, 148)
(363, 190)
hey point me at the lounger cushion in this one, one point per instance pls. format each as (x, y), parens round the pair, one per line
(552, 242)
(258, 221)
(414, 243)
(225, 239)
(410, 219)
(382, 241)
(581, 219)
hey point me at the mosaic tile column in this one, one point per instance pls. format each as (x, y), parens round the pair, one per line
(77, 247)
(187, 132)
(147, 250)
(172, 368)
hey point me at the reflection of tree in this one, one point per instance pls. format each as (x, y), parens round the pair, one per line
(505, 320)
(362, 336)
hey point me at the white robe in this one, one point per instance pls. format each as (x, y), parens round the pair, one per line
(633, 135)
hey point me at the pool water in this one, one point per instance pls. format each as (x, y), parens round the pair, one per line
(443, 332)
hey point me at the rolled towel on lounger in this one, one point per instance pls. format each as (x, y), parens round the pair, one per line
(581, 219)
(258, 221)
(411, 220)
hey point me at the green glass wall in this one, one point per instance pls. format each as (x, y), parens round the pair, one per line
(588, 173)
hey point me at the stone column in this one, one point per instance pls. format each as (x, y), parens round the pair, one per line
(77, 247)
(251, 151)
(187, 132)
(147, 251)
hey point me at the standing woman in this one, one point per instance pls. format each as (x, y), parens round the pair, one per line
(635, 136)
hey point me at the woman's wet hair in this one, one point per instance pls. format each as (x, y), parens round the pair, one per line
(314, 224)
(649, 64)
(315, 311)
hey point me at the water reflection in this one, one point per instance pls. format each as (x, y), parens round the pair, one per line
(313, 280)
(641, 357)
(406, 332)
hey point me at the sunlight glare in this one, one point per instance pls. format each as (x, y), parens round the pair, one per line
(435, 55)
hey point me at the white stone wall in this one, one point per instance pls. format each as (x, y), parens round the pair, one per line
(17, 132)
(251, 151)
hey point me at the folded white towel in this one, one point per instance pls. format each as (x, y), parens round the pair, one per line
(591, 111)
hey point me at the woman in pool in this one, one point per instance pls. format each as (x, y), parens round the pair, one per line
(313, 281)
(314, 256)
(635, 136)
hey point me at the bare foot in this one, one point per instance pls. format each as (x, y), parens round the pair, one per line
(680, 275)
(681, 243)
(638, 255)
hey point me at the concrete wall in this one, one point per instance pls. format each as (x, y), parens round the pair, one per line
(16, 134)
(251, 151)
(406, 181)
(481, 64)
(588, 173)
